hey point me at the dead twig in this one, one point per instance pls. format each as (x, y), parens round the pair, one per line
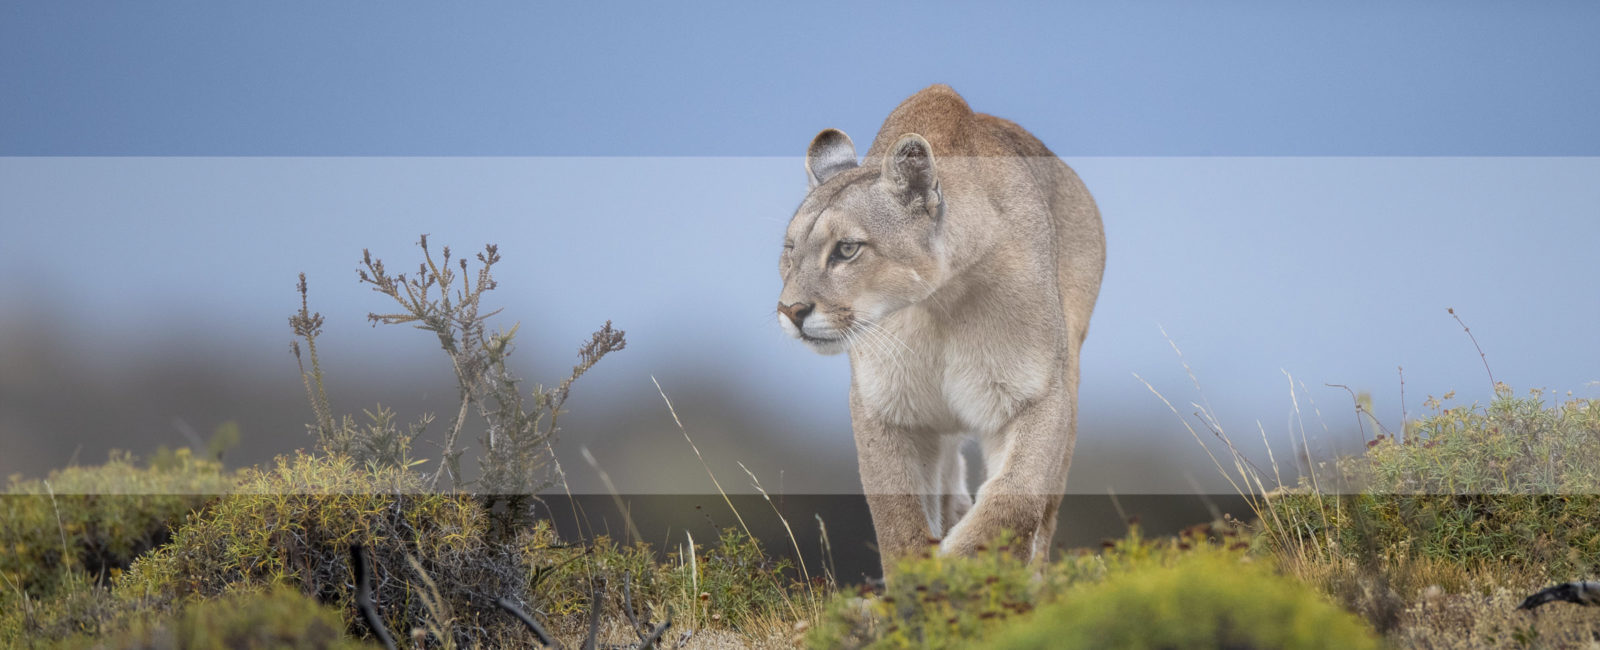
(596, 601)
(1362, 410)
(533, 626)
(1494, 386)
(627, 607)
(369, 611)
(655, 636)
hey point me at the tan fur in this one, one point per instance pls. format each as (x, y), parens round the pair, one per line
(976, 264)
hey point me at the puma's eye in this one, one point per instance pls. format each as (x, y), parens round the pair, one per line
(846, 250)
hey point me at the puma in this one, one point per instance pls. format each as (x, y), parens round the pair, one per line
(958, 265)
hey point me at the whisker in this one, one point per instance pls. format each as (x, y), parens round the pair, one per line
(883, 340)
(878, 344)
(851, 340)
(894, 338)
(859, 339)
(853, 335)
(884, 332)
(931, 291)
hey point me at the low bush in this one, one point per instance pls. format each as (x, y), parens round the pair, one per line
(1203, 600)
(436, 567)
(1514, 483)
(276, 618)
(732, 584)
(293, 524)
(934, 601)
(78, 607)
(96, 519)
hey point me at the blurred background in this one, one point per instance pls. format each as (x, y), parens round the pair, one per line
(1293, 196)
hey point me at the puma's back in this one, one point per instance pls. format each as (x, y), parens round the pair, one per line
(944, 119)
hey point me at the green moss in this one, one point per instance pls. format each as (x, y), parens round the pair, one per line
(1205, 600)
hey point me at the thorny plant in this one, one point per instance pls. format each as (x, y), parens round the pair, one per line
(649, 635)
(445, 297)
(380, 440)
(308, 326)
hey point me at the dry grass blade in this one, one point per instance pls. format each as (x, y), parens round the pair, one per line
(1122, 515)
(1311, 468)
(694, 568)
(832, 567)
(702, 458)
(627, 516)
(439, 620)
(66, 551)
(797, 556)
(1225, 474)
(1254, 491)
(1210, 413)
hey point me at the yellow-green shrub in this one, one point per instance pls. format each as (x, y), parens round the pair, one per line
(79, 606)
(96, 519)
(1513, 483)
(741, 583)
(934, 601)
(292, 525)
(276, 618)
(1204, 600)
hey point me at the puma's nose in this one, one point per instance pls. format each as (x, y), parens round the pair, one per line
(796, 312)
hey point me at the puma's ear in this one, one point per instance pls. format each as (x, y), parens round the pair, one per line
(909, 172)
(831, 152)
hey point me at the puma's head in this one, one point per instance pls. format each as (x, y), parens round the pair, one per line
(863, 244)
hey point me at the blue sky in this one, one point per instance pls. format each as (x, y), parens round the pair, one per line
(741, 79)
(1294, 188)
